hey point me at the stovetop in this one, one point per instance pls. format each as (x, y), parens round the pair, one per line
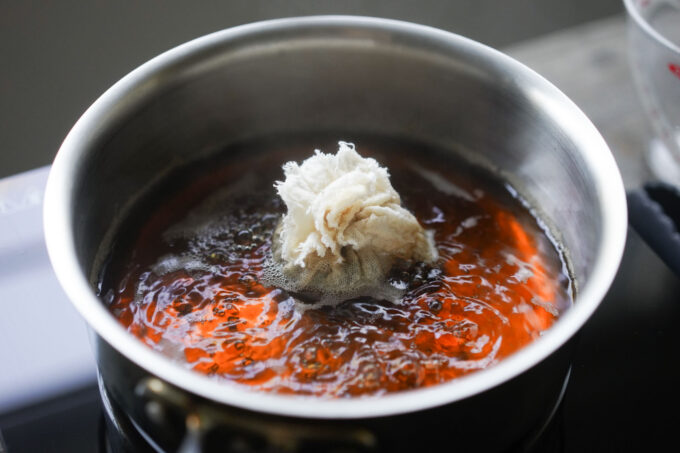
(622, 389)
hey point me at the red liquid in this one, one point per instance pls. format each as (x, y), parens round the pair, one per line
(498, 285)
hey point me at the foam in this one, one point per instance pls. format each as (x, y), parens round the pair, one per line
(330, 284)
(201, 221)
(173, 263)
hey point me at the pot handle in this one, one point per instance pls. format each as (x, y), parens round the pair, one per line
(250, 433)
(654, 212)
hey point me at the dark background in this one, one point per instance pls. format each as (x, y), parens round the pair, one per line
(57, 57)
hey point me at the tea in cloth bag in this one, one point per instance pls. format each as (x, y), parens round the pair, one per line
(345, 227)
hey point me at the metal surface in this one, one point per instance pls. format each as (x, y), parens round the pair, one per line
(590, 65)
(346, 75)
(504, 418)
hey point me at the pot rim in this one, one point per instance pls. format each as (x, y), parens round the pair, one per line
(58, 212)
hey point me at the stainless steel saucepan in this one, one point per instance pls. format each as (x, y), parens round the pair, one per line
(345, 74)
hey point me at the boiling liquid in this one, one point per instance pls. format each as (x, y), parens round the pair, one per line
(188, 282)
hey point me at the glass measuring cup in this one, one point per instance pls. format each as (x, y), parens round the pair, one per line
(654, 50)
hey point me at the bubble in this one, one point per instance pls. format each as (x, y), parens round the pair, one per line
(435, 305)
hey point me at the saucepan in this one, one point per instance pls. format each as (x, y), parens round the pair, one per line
(356, 75)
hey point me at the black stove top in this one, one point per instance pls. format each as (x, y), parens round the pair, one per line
(623, 385)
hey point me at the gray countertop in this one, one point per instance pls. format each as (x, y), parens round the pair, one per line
(45, 347)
